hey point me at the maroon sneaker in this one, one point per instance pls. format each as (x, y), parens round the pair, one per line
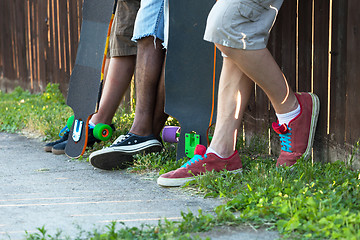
(297, 138)
(198, 165)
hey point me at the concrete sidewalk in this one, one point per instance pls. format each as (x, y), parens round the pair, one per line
(41, 189)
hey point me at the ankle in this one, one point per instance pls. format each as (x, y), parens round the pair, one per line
(96, 120)
(285, 118)
(139, 132)
(222, 153)
(287, 106)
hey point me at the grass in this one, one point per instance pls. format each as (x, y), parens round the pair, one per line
(309, 201)
(40, 113)
(44, 114)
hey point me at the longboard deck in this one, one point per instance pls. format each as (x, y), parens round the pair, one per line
(85, 78)
(190, 93)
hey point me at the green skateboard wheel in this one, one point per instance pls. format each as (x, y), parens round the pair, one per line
(70, 121)
(103, 131)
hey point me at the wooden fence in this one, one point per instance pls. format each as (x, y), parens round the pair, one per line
(38, 42)
(315, 42)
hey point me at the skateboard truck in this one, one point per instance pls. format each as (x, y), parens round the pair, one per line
(78, 124)
(191, 140)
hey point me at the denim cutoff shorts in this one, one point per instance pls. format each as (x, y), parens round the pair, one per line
(151, 20)
(242, 24)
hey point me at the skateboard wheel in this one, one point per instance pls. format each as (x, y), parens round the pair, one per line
(102, 132)
(70, 121)
(170, 134)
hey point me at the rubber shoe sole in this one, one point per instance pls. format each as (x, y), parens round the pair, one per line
(58, 151)
(177, 182)
(112, 159)
(314, 120)
(48, 148)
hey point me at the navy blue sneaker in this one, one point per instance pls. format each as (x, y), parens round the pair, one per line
(120, 154)
(59, 148)
(64, 135)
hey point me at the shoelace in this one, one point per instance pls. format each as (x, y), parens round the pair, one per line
(196, 158)
(121, 138)
(286, 141)
(64, 131)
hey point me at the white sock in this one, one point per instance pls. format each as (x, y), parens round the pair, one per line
(210, 150)
(91, 124)
(287, 117)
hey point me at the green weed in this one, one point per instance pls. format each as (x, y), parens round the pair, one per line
(41, 113)
(316, 201)
(162, 162)
(119, 231)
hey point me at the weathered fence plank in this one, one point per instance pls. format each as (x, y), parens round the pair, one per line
(38, 42)
(352, 122)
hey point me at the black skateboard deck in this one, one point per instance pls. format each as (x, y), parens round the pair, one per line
(190, 77)
(85, 81)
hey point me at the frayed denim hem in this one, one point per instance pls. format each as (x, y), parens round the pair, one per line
(136, 38)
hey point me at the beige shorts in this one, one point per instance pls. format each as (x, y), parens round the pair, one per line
(242, 24)
(122, 29)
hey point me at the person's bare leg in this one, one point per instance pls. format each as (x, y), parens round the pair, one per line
(118, 78)
(233, 95)
(160, 116)
(260, 66)
(106, 68)
(149, 63)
